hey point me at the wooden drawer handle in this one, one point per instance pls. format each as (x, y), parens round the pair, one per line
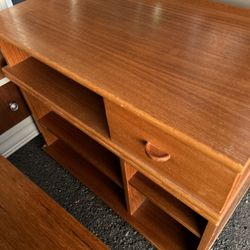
(155, 153)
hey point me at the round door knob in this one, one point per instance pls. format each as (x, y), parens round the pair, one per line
(13, 106)
(156, 154)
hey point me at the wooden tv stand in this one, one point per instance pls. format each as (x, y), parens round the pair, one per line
(146, 102)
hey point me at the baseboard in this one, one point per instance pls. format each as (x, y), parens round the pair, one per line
(5, 4)
(17, 136)
(4, 81)
(9, 3)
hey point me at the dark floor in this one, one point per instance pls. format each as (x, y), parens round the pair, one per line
(100, 219)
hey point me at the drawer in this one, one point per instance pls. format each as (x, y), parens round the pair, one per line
(198, 176)
(10, 116)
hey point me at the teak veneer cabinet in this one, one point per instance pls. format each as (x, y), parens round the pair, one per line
(146, 102)
(30, 219)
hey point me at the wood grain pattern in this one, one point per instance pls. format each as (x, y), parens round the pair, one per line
(10, 93)
(72, 107)
(14, 56)
(39, 110)
(30, 219)
(90, 176)
(60, 93)
(169, 204)
(11, 53)
(187, 169)
(153, 223)
(182, 65)
(167, 233)
(93, 152)
(179, 70)
(134, 198)
(212, 231)
(87, 110)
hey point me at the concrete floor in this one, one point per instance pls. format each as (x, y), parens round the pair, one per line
(101, 220)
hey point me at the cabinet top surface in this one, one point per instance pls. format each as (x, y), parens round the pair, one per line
(185, 65)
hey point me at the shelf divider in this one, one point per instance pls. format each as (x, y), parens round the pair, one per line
(152, 222)
(72, 101)
(134, 198)
(87, 174)
(169, 204)
(93, 152)
(163, 229)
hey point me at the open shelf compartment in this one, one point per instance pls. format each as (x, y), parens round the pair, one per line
(162, 229)
(72, 101)
(74, 106)
(102, 186)
(151, 221)
(105, 161)
(169, 204)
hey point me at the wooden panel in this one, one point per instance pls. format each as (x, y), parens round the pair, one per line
(212, 231)
(169, 204)
(93, 152)
(86, 111)
(14, 56)
(9, 93)
(11, 53)
(195, 174)
(76, 103)
(30, 219)
(2, 63)
(163, 229)
(148, 58)
(180, 64)
(38, 110)
(154, 224)
(88, 175)
(134, 199)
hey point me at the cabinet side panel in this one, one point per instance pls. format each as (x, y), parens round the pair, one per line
(13, 56)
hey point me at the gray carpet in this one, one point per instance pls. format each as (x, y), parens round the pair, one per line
(100, 219)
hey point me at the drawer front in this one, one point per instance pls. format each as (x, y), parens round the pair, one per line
(197, 175)
(13, 108)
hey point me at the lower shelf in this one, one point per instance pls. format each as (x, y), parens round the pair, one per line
(163, 230)
(97, 182)
(93, 152)
(169, 204)
(152, 222)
